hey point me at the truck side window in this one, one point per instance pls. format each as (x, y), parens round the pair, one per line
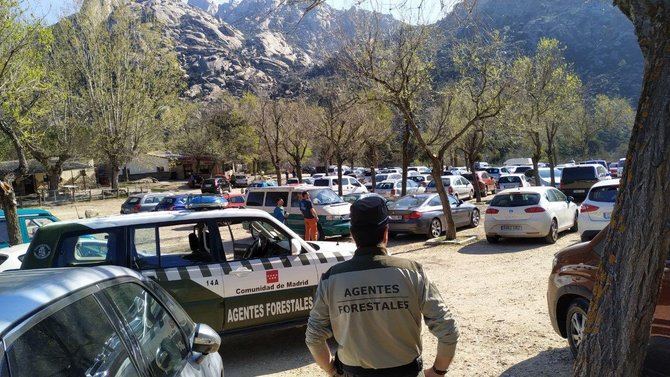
(176, 245)
(91, 248)
(252, 239)
(255, 199)
(77, 340)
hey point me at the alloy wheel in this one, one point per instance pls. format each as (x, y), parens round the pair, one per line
(577, 325)
(435, 228)
(474, 221)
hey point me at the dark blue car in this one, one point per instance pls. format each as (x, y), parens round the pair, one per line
(173, 203)
(206, 202)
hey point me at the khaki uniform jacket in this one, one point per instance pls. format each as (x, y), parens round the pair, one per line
(372, 305)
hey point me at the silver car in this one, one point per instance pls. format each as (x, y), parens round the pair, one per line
(455, 185)
(393, 189)
(422, 214)
(142, 203)
(99, 321)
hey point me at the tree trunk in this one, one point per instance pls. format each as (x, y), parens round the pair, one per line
(475, 180)
(405, 158)
(278, 174)
(298, 169)
(340, 161)
(8, 201)
(54, 173)
(373, 179)
(552, 163)
(630, 273)
(537, 155)
(114, 174)
(450, 226)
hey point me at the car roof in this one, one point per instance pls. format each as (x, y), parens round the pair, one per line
(607, 182)
(527, 190)
(30, 212)
(22, 292)
(157, 217)
(582, 165)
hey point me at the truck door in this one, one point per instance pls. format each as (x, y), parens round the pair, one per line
(184, 259)
(263, 283)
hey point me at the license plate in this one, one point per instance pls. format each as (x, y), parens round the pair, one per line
(579, 191)
(395, 217)
(510, 227)
(607, 215)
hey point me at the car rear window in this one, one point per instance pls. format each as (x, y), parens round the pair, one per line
(516, 199)
(445, 182)
(605, 194)
(385, 185)
(133, 200)
(409, 202)
(579, 173)
(324, 182)
(493, 171)
(509, 179)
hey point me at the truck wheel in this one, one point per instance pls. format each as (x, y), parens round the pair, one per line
(575, 323)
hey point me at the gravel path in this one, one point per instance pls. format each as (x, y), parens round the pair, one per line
(497, 294)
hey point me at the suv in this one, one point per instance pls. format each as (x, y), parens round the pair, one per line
(570, 291)
(577, 180)
(233, 269)
(101, 321)
(215, 185)
(29, 221)
(350, 185)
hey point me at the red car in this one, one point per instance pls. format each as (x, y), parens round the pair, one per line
(486, 182)
(236, 200)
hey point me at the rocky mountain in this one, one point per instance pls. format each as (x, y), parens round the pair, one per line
(262, 45)
(599, 40)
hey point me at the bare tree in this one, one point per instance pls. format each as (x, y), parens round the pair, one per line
(268, 118)
(398, 72)
(638, 238)
(300, 123)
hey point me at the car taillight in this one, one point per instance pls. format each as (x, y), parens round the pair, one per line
(534, 210)
(588, 208)
(136, 207)
(413, 216)
(491, 211)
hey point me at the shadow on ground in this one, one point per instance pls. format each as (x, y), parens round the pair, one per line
(504, 246)
(555, 362)
(265, 353)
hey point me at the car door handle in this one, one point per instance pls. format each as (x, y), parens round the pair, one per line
(241, 272)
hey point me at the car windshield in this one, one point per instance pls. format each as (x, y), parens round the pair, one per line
(205, 199)
(380, 177)
(509, 179)
(515, 200)
(384, 185)
(546, 173)
(409, 201)
(579, 173)
(324, 197)
(605, 194)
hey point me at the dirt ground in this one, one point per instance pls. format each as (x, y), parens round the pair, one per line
(496, 293)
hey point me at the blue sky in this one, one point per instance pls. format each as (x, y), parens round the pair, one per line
(51, 10)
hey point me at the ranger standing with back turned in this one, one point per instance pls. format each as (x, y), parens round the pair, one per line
(373, 304)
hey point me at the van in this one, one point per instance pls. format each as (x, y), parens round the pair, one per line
(349, 184)
(576, 181)
(332, 210)
(29, 221)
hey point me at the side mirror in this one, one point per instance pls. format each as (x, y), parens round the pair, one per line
(206, 340)
(296, 247)
(570, 199)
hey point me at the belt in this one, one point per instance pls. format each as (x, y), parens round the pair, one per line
(410, 369)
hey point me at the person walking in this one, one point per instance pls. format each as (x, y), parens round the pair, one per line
(311, 218)
(372, 305)
(279, 212)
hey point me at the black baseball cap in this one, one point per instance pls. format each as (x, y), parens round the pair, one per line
(369, 213)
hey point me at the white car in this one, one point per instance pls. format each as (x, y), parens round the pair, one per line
(509, 181)
(596, 211)
(387, 177)
(350, 185)
(455, 185)
(11, 257)
(530, 212)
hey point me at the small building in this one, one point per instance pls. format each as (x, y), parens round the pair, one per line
(75, 172)
(160, 165)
